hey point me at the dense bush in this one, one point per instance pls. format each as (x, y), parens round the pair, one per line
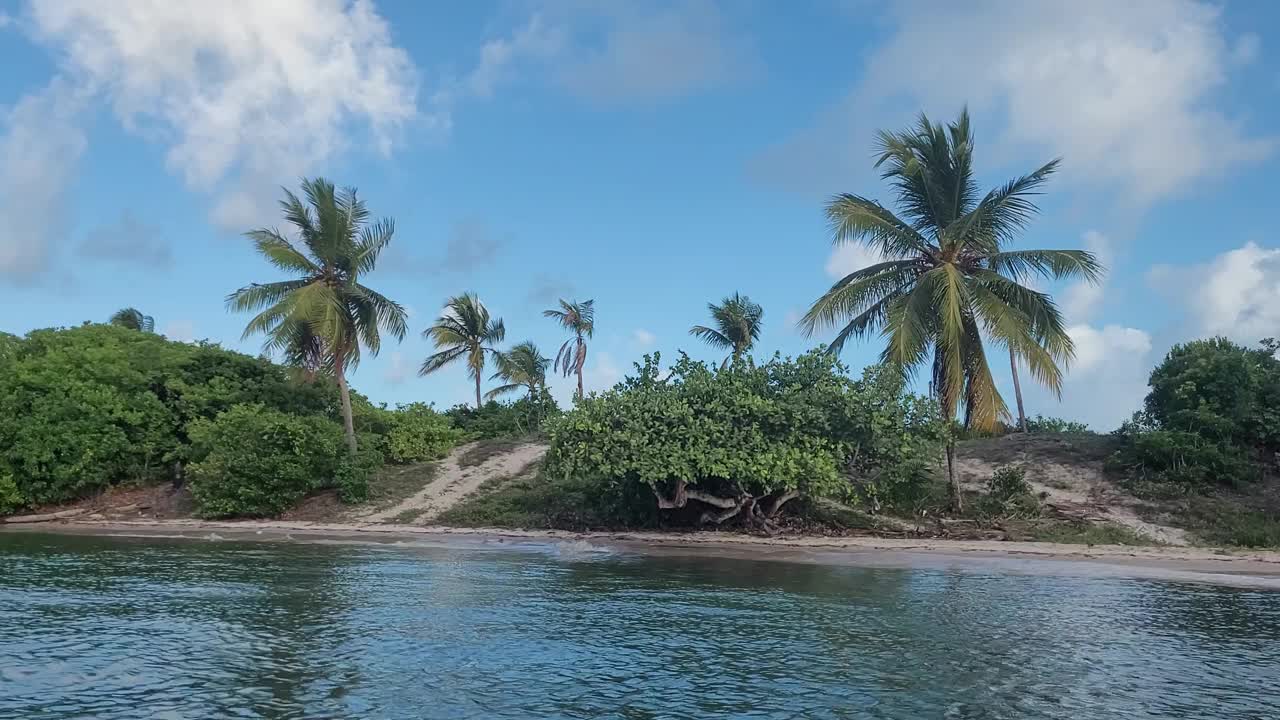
(525, 416)
(1211, 418)
(86, 407)
(1046, 424)
(254, 461)
(1219, 390)
(1009, 495)
(419, 433)
(743, 439)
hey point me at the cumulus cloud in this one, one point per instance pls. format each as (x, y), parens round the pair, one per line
(1125, 91)
(41, 143)
(221, 85)
(1107, 381)
(1236, 294)
(127, 241)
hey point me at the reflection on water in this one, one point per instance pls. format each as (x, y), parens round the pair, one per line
(125, 628)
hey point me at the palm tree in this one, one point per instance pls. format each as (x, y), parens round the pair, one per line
(523, 366)
(578, 318)
(947, 281)
(463, 331)
(133, 319)
(737, 326)
(321, 318)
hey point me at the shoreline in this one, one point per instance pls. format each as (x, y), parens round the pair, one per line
(1216, 566)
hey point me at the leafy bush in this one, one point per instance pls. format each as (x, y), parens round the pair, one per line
(1212, 417)
(1009, 495)
(420, 433)
(564, 504)
(1008, 481)
(11, 499)
(1219, 390)
(1046, 424)
(748, 436)
(86, 407)
(352, 473)
(494, 419)
(254, 461)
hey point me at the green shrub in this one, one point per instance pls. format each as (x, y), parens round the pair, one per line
(11, 499)
(787, 426)
(565, 504)
(83, 408)
(352, 473)
(1178, 457)
(1045, 424)
(1212, 417)
(525, 416)
(254, 461)
(420, 433)
(1008, 481)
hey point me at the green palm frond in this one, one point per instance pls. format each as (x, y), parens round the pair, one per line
(737, 324)
(464, 331)
(948, 284)
(325, 306)
(133, 319)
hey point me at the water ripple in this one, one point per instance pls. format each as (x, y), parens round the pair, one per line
(109, 628)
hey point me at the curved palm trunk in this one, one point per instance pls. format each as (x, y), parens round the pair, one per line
(344, 394)
(1017, 391)
(582, 360)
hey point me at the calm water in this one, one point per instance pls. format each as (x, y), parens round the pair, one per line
(126, 628)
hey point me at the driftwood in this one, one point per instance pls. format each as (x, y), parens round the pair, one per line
(45, 517)
(754, 511)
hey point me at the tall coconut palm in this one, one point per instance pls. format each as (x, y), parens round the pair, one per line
(133, 319)
(947, 284)
(737, 326)
(578, 318)
(323, 316)
(464, 331)
(521, 367)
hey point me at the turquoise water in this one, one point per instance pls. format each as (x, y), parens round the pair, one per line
(148, 628)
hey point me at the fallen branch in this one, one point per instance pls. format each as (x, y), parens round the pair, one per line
(45, 517)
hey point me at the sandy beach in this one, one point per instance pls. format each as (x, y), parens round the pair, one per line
(1212, 565)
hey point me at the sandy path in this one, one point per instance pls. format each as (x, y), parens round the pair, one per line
(1076, 491)
(454, 482)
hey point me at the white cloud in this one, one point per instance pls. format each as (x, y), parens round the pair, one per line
(1237, 294)
(179, 330)
(1107, 381)
(1126, 92)
(645, 55)
(850, 257)
(398, 370)
(245, 95)
(40, 147)
(1097, 347)
(642, 338)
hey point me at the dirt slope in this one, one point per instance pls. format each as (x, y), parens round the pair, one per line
(458, 477)
(1068, 469)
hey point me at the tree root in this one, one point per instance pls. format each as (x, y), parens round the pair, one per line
(754, 512)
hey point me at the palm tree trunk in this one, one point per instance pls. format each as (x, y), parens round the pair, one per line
(477, 391)
(581, 360)
(348, 422)
(953, 485)
(1017, 391)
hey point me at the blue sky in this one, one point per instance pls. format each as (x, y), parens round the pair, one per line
(654, 156)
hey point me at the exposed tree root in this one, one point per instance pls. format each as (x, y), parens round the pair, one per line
(752, 511)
